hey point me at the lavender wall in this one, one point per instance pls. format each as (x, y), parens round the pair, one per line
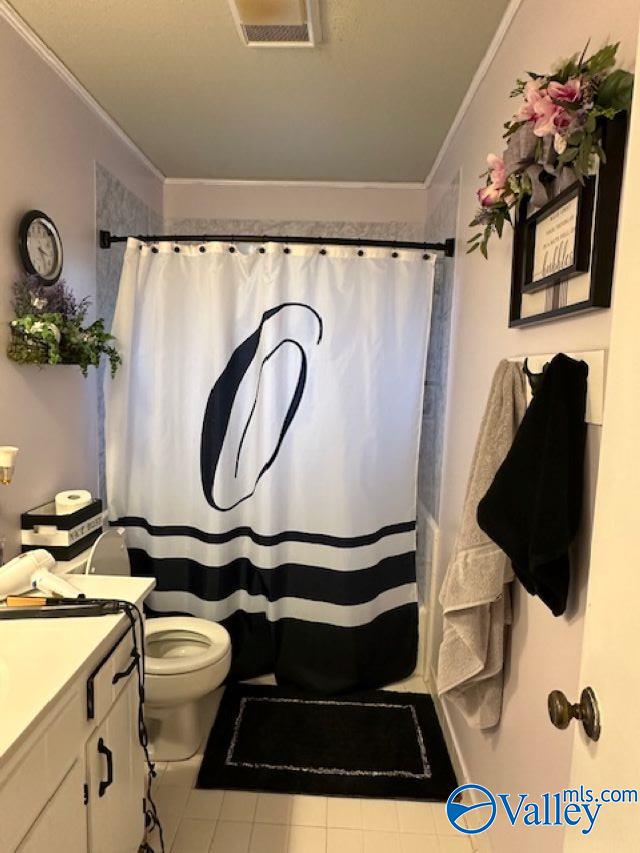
(49, 144)
(524, 753)
(290, 202)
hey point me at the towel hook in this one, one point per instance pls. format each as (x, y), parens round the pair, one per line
(535, 379)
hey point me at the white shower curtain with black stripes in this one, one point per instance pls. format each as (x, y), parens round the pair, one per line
(262, 446)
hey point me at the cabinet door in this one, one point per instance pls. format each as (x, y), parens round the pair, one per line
(64, 817)
(115, 773)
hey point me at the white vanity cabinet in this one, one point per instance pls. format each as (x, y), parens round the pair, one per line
(115, 778)
(62, 818)
(79, 785)
(74, 778)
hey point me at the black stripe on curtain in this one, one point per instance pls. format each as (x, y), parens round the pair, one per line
(324, 659)
(262, 539)
(298, 581)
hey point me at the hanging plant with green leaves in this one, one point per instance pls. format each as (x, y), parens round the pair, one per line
(553, 139)
(48, 328)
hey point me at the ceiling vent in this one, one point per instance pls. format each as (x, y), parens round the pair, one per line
(277, 23)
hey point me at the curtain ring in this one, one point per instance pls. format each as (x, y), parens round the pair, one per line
(154, 249)
(394, 254)
(360, 253)
(323, 251)
(176, 248)
(203, 249)
(262, 250)
(232, 249)
(286, 250)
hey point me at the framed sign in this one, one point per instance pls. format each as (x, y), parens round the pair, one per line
(563, 252)
(558, 238)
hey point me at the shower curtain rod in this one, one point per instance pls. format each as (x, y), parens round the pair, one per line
(448, 246)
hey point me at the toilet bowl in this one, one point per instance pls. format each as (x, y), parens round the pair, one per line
(186, 660)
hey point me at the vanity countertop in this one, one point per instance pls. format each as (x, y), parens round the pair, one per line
(40, 657)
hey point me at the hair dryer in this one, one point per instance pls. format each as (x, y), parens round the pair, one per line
(32, 571)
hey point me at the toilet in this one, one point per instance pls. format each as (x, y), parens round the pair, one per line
(186, 660)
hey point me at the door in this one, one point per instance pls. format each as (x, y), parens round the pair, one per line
(610, 656)
(115, 774)
(62, 818)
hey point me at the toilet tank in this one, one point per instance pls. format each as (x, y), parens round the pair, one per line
(109, 554)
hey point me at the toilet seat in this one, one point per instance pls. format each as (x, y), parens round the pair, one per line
(181, 644)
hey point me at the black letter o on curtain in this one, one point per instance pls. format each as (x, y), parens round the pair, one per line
(220, 405)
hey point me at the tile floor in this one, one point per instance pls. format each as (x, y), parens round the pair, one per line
(198, 821)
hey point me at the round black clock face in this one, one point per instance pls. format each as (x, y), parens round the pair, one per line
(40, 246)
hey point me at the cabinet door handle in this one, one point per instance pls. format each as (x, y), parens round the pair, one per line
(103, 749)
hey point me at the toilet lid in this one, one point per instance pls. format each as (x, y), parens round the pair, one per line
(180, 644)
(109, 556)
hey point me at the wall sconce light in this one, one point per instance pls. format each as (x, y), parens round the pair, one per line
(7, 463)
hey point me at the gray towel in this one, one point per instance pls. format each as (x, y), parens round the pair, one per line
(475, 594)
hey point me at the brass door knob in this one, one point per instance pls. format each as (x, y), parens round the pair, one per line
(561, 711)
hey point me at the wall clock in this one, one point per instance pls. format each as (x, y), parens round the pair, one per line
(40, 246)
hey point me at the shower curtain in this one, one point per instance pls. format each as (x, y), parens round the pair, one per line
(262, 441)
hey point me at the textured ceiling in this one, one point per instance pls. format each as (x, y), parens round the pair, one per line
(372, 103)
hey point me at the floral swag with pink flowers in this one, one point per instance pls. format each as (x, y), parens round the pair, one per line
(554, 139)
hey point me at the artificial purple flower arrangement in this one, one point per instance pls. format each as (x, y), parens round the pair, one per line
(48, 328)
(554, 138)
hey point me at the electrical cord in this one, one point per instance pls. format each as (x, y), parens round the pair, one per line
(152, 821)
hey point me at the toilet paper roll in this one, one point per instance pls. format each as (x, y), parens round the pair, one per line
(72, 500)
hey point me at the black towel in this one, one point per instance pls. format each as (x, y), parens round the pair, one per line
(532, 508)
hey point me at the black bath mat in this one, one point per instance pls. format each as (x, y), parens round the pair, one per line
(373, 744)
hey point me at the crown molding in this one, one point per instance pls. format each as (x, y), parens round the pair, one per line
(48, 56)
(478, 77)
(333, 185)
